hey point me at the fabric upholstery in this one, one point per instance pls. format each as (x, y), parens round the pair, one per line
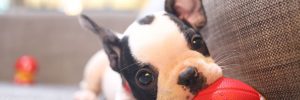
(258, 42)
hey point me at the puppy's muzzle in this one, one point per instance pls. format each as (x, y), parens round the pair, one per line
(192, 79)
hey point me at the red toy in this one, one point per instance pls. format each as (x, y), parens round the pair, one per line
(26, 67)
(228, 89)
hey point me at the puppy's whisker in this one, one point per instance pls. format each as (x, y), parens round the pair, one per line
(218, 56)
(224, 61)
(225, 54)
(230, 66)
(129, 66)
(225, 57)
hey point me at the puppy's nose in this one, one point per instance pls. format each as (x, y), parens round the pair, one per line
(191, 79)
(188, 76)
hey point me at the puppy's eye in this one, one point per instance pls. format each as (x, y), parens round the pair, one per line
(144, 77)
(196, 41)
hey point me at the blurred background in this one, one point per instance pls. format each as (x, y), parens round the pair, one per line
(48, 30)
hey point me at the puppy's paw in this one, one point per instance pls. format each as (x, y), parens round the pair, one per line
(85, 95)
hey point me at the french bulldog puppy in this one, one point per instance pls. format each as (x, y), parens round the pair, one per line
(161, 56)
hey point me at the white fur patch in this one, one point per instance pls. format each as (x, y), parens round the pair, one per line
(158, 43)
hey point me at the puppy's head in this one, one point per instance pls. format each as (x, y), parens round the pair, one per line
(162, 56)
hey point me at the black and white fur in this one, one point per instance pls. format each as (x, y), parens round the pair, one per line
(162, 56)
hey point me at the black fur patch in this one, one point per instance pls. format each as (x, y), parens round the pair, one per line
(111, 47)
(192, 79)
(169, 6)
(129, 68)
(146, 20)
(201, 47)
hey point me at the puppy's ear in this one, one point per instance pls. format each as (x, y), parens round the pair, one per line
(111, 43)
(190, 11)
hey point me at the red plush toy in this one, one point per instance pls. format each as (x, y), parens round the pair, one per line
(228, 89)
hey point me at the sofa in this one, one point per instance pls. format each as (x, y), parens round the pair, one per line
(258, 42)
